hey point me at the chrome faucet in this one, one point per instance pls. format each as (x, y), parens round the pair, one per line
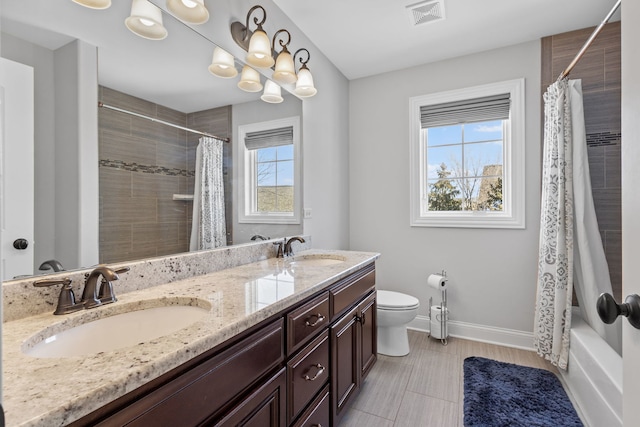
(90, 295)
(288, 251)
(259, 237)
(51, 263)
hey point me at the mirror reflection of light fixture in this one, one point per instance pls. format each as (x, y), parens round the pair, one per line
(223, 64)
(94, 4)
(272, 93)
(259, 46)
(191, 11)
(304, 85)
(285, 72)
(250, 80)
(146, 20)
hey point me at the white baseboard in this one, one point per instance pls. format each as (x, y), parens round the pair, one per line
(482, 333)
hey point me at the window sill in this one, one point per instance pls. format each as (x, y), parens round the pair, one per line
(469, 220)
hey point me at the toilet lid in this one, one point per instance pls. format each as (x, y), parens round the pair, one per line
(390, 300)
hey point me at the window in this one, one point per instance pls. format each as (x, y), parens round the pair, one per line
(467, 157)
(270, 172)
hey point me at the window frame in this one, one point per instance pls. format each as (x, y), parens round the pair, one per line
(513, 184)
(247, 187)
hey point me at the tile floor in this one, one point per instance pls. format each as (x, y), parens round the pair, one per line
(425, 388)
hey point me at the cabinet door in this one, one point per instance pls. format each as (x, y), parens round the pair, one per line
(369, 341)
(344, 362)
(265, 407)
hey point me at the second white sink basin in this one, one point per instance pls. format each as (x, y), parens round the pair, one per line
(115, 332)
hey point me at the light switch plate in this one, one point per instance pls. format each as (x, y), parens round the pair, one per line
(307, 213)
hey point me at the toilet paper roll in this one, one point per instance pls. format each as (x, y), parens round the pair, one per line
(437, 281)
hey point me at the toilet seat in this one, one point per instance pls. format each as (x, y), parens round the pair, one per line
(390, 300)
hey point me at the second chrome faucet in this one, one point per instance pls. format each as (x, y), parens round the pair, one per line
(284, 247)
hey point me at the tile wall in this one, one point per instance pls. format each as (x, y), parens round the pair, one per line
(599, 70)
(142, 165)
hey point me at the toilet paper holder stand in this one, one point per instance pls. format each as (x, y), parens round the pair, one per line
(444, 313)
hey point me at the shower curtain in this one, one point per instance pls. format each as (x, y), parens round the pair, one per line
(571, 250)
(208, 229)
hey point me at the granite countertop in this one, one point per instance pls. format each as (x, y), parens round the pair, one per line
(56, 391)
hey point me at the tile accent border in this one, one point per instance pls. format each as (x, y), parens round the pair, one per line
(150, 169)
(604, 138)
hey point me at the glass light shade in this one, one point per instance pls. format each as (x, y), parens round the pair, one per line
(250, 80)
(259, 54)
(191, 11)
(146, 20)
(285, 72)
(94, 4)
(222, 64)
(304, 85)
(272, 93)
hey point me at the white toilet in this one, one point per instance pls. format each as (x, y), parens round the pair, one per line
(395, 310)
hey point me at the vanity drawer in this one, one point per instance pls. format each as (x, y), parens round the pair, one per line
(319, 412)
(307, 373)
(207, 389)
(306, 321)
(352, 289)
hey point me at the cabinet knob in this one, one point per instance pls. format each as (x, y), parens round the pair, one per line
(319, 318)
(20, 244)
(609, 309)
(318, 373)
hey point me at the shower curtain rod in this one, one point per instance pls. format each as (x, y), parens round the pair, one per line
(110, 107)
(590, 40)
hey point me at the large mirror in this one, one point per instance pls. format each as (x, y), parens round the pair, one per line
(118, 192)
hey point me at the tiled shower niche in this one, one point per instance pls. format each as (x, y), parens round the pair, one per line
(142, 165)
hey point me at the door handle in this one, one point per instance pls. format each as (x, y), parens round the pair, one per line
(20, 244)
(609, 309)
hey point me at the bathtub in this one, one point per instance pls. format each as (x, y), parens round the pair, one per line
(594, 375)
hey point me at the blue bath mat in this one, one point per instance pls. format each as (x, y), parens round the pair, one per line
(498, 394)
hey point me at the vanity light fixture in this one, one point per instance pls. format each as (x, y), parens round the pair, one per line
(272, 93)
(285, 72)
(256, 43)
(146, 20)
(190, 11)
(223, 64)
(250, 80)
(94, 4)
(304, 85)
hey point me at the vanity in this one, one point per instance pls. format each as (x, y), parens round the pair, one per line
(284, 342)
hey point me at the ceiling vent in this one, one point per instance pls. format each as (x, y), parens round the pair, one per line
(426, 12)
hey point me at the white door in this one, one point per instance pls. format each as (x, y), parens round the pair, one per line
(630, 205)
(16, 114)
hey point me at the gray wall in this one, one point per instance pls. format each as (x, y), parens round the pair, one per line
(492, 272)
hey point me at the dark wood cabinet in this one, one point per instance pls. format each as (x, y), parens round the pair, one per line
(353, 353)
(265, 407)
(300, 367)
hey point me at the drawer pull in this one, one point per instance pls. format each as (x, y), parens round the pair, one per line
(319, 318)
(320, 371)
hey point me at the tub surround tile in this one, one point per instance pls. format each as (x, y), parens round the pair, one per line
(39, 392)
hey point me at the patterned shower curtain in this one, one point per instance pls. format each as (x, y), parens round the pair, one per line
(571, 251)
(208, 228)
(555, 257)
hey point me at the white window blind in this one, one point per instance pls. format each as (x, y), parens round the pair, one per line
(487, 108)
(269, 138)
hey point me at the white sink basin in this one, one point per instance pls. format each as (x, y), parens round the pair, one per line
(316, 260)
(114, 332)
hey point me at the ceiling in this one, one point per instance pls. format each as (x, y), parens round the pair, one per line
(361, 37)
(368, 37)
